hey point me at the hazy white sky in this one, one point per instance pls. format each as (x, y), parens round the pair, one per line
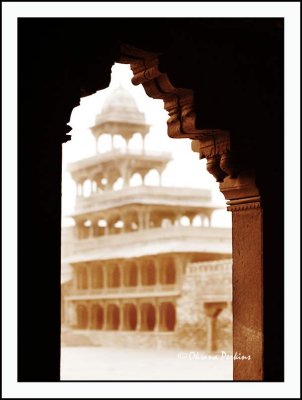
(186, 170)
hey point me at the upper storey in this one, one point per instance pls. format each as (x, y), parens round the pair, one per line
(118, 163)
(120, 116)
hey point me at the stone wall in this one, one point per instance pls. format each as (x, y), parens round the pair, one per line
(204, 282)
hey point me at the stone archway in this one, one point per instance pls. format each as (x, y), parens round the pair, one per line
(213, 108)
(167, 316)
(148, 317)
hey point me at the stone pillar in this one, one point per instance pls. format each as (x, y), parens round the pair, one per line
(140, 216)
(122, 274)
(210, 219)
(212, 310)
(72, 314)
(94, 223)
(191, 217)
(75, 278)
(139, 273)
(143, 175)
(178, 264)
(125, 174)
(147, 219)
(106, 228)
(105, 277)
(91, 187)
(143, 143)
(160, 178)
(89, 276)
(90, 231)
(244, 202)
(157, 264)
(78, 191)
(106, 176)
(237, 183)
(177, 220)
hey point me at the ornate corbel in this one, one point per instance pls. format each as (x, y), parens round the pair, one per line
(237, 182)
(179, 102)
(215, 146)
(235, 177)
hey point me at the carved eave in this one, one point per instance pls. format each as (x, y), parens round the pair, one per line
(213, 144)
(179, 102)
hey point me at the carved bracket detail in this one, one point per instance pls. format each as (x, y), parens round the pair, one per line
(179, 102)
(215, 147)
(237, 186)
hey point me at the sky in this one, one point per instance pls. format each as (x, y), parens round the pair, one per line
(185, 170)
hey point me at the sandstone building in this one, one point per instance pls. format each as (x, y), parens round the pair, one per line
(147, 267)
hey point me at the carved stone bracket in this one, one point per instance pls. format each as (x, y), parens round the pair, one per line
(179, 102)
(241, 193)
(237, 184)
(213, 144)
(215, 147)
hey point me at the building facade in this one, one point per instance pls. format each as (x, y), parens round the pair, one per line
(145, 265)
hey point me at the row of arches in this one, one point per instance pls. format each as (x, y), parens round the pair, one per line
(109, 141)
(121, 179)
(127, 317)
(129, 274)
(132, 221)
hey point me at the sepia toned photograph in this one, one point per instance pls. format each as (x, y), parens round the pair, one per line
(151, 167)
(146, 265)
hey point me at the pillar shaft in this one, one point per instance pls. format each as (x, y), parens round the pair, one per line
(157, 271)
(211, 333)
(105, 277)
(247, 237)
(75, 277)
(90, 277)
(139, 273)
(247, 292)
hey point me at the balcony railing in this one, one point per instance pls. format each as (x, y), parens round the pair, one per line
(112, 154)
(145, 194)
(213, 238)
(140, 289)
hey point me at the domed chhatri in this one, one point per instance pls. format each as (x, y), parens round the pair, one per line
(120, 100)
(120, 115)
